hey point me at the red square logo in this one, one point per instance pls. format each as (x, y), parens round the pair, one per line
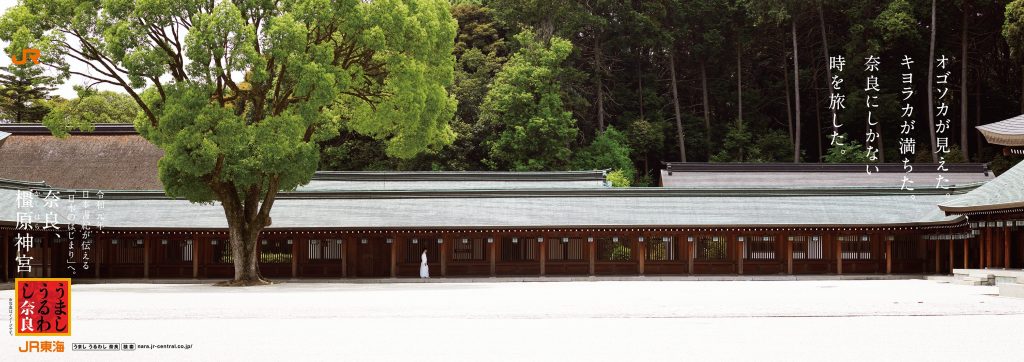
(42, 306)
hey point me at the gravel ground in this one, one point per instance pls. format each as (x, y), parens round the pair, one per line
(603, 321)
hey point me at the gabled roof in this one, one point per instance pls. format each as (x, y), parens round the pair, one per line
(1005, 192)
(509, 209)
(787, 175)
(1008, 132)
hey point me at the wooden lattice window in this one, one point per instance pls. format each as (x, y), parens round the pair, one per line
(176, 251)
(856, 247)
(807, 247)
(613, 249)
(329, 249)
(712, 248)
(760, 248)
(275, 251)
(567, 249)
(467, 249)
(518, 249)
(126, 251)
(661, 249)
(414, 249)
(906, 249)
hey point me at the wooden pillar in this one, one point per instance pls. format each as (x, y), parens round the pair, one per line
(493, 251)
(789, 254)
(195, 256)
(444, 258)
(145, 257)
(691, 252)
(982, 245)
(592, 252)
(839, 255)
(344, 258)
(888, 256)
(966, 242)
(739, 255)
(295, 258)
(951, 256)
(642, 247)
(986, 255)
(1006, 245)
(543, 254)
(394, 257)
(938, 264)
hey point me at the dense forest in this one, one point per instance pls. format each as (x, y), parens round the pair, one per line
(626, 85)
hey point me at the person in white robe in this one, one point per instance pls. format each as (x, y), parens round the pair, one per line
(424, 269)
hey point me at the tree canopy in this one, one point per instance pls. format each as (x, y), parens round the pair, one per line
(239, 93)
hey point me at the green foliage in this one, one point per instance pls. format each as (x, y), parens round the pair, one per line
(741, 145)
(619, 178)
(275, 258)
(850, 151)
(897, 23)
(308, 70)
(1013, 28)
(738, 145)
(525, 105)
(1001, 163)
(91, 107)
(616, 252)
(955, 155)
(239, 93)
(609, 150)
(24, 93)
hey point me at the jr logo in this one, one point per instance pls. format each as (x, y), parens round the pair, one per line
(26, 54)
(42, 346)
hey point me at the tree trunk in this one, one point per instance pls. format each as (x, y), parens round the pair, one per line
(247, 216)
(796, 93)
(881, 144)
(977, 117)
(817, 112)
(600, 85)
(707, 106)
(963, 87)
(739, 83)
(824, 46)
(931, 90)
(243, 239)
(640, 81)
(789, 104)
(675, 102)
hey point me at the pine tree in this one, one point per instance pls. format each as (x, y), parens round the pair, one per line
(22, 92)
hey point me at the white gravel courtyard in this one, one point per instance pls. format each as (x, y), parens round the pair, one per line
(559, 321)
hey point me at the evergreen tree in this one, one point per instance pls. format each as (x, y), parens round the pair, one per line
(23, 92)
(524, 105)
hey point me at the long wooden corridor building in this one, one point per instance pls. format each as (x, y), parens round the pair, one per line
(706, 219)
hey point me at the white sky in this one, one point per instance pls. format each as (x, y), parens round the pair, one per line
(64, 90)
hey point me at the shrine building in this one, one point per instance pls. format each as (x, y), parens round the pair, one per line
(703, 218)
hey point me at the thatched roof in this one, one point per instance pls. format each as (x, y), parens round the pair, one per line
(103, 161)
(115, 157)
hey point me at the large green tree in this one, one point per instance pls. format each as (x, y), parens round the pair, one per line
(89, 108)
(524, 105)
(24, 90)
(237, 93)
